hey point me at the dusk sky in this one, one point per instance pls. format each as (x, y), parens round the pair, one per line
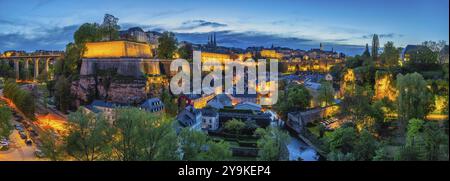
(49, 24)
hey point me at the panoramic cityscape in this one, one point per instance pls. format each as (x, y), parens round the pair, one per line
(118, 81)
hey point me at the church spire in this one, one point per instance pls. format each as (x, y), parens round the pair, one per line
(209, 39)
(214, 43)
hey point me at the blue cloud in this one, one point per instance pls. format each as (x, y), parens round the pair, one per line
(384, 35)
(187, 25)
(54, 38)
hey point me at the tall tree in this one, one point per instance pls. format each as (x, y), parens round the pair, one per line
(435, 46)
(110, 28)
(186, 51)
(87, 32)
(167, 45)
(23, 99)
(170, 107)
(296, 98)
(50, 146)
(414, 99)
(435, 142)
(375, 47)
(62, 94)
(366, 51)
(390, 56)
(424, 55)
(192, 143)
(144, 135)
(341, 140)
(366, 146)
(5, 122)
(326, 93)
(90, 136)
(272, 144)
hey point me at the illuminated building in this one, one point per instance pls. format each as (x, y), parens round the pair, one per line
(215, 56)
(117, 49)
(244, 56)
(132, 73)
(271, 54)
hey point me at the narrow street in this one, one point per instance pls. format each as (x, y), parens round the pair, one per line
(18, 150)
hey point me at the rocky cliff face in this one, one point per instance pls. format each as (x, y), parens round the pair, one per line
(88, 88)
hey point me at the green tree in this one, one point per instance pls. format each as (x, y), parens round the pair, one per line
(424, 141)
(375, 47)
(342, 140)
(5, 122)
(413, 131)
(6, 70)
(358, 105)
(216, 151)
(23, 99)
(297, 98)
(170, 107)
(26, 103)
(272, 144)
(63, 96)
(87, 32)
(143, 135)
(50, 146)
(381, 154)
(110, 28)
(167, 45)
(71, 62)
(366, 51)
(196, 145)
(234, 126)
(435, 46)
(423, 55)
(414, 99)
(366, 146)
(390, 56)
(339, 156)
(186, 51)
(407, 153)
(435, 142)
(326, 93)
(89, 137)
(322, 130)
(192, 142)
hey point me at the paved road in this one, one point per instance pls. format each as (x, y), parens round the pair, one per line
(18, 150)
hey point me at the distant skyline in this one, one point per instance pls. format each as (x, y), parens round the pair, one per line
(345, 25)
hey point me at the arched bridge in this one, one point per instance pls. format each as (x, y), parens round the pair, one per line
(35, 58)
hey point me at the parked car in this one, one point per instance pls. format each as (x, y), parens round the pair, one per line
(39, 153)
(33, 133)
(19, 127)
(4, 142)
(28, 142)
(23, 135)
(26, 124)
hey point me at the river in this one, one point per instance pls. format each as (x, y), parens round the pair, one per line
(296, 147)
(299, 149)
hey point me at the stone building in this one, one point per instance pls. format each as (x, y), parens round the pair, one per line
(118, 71)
